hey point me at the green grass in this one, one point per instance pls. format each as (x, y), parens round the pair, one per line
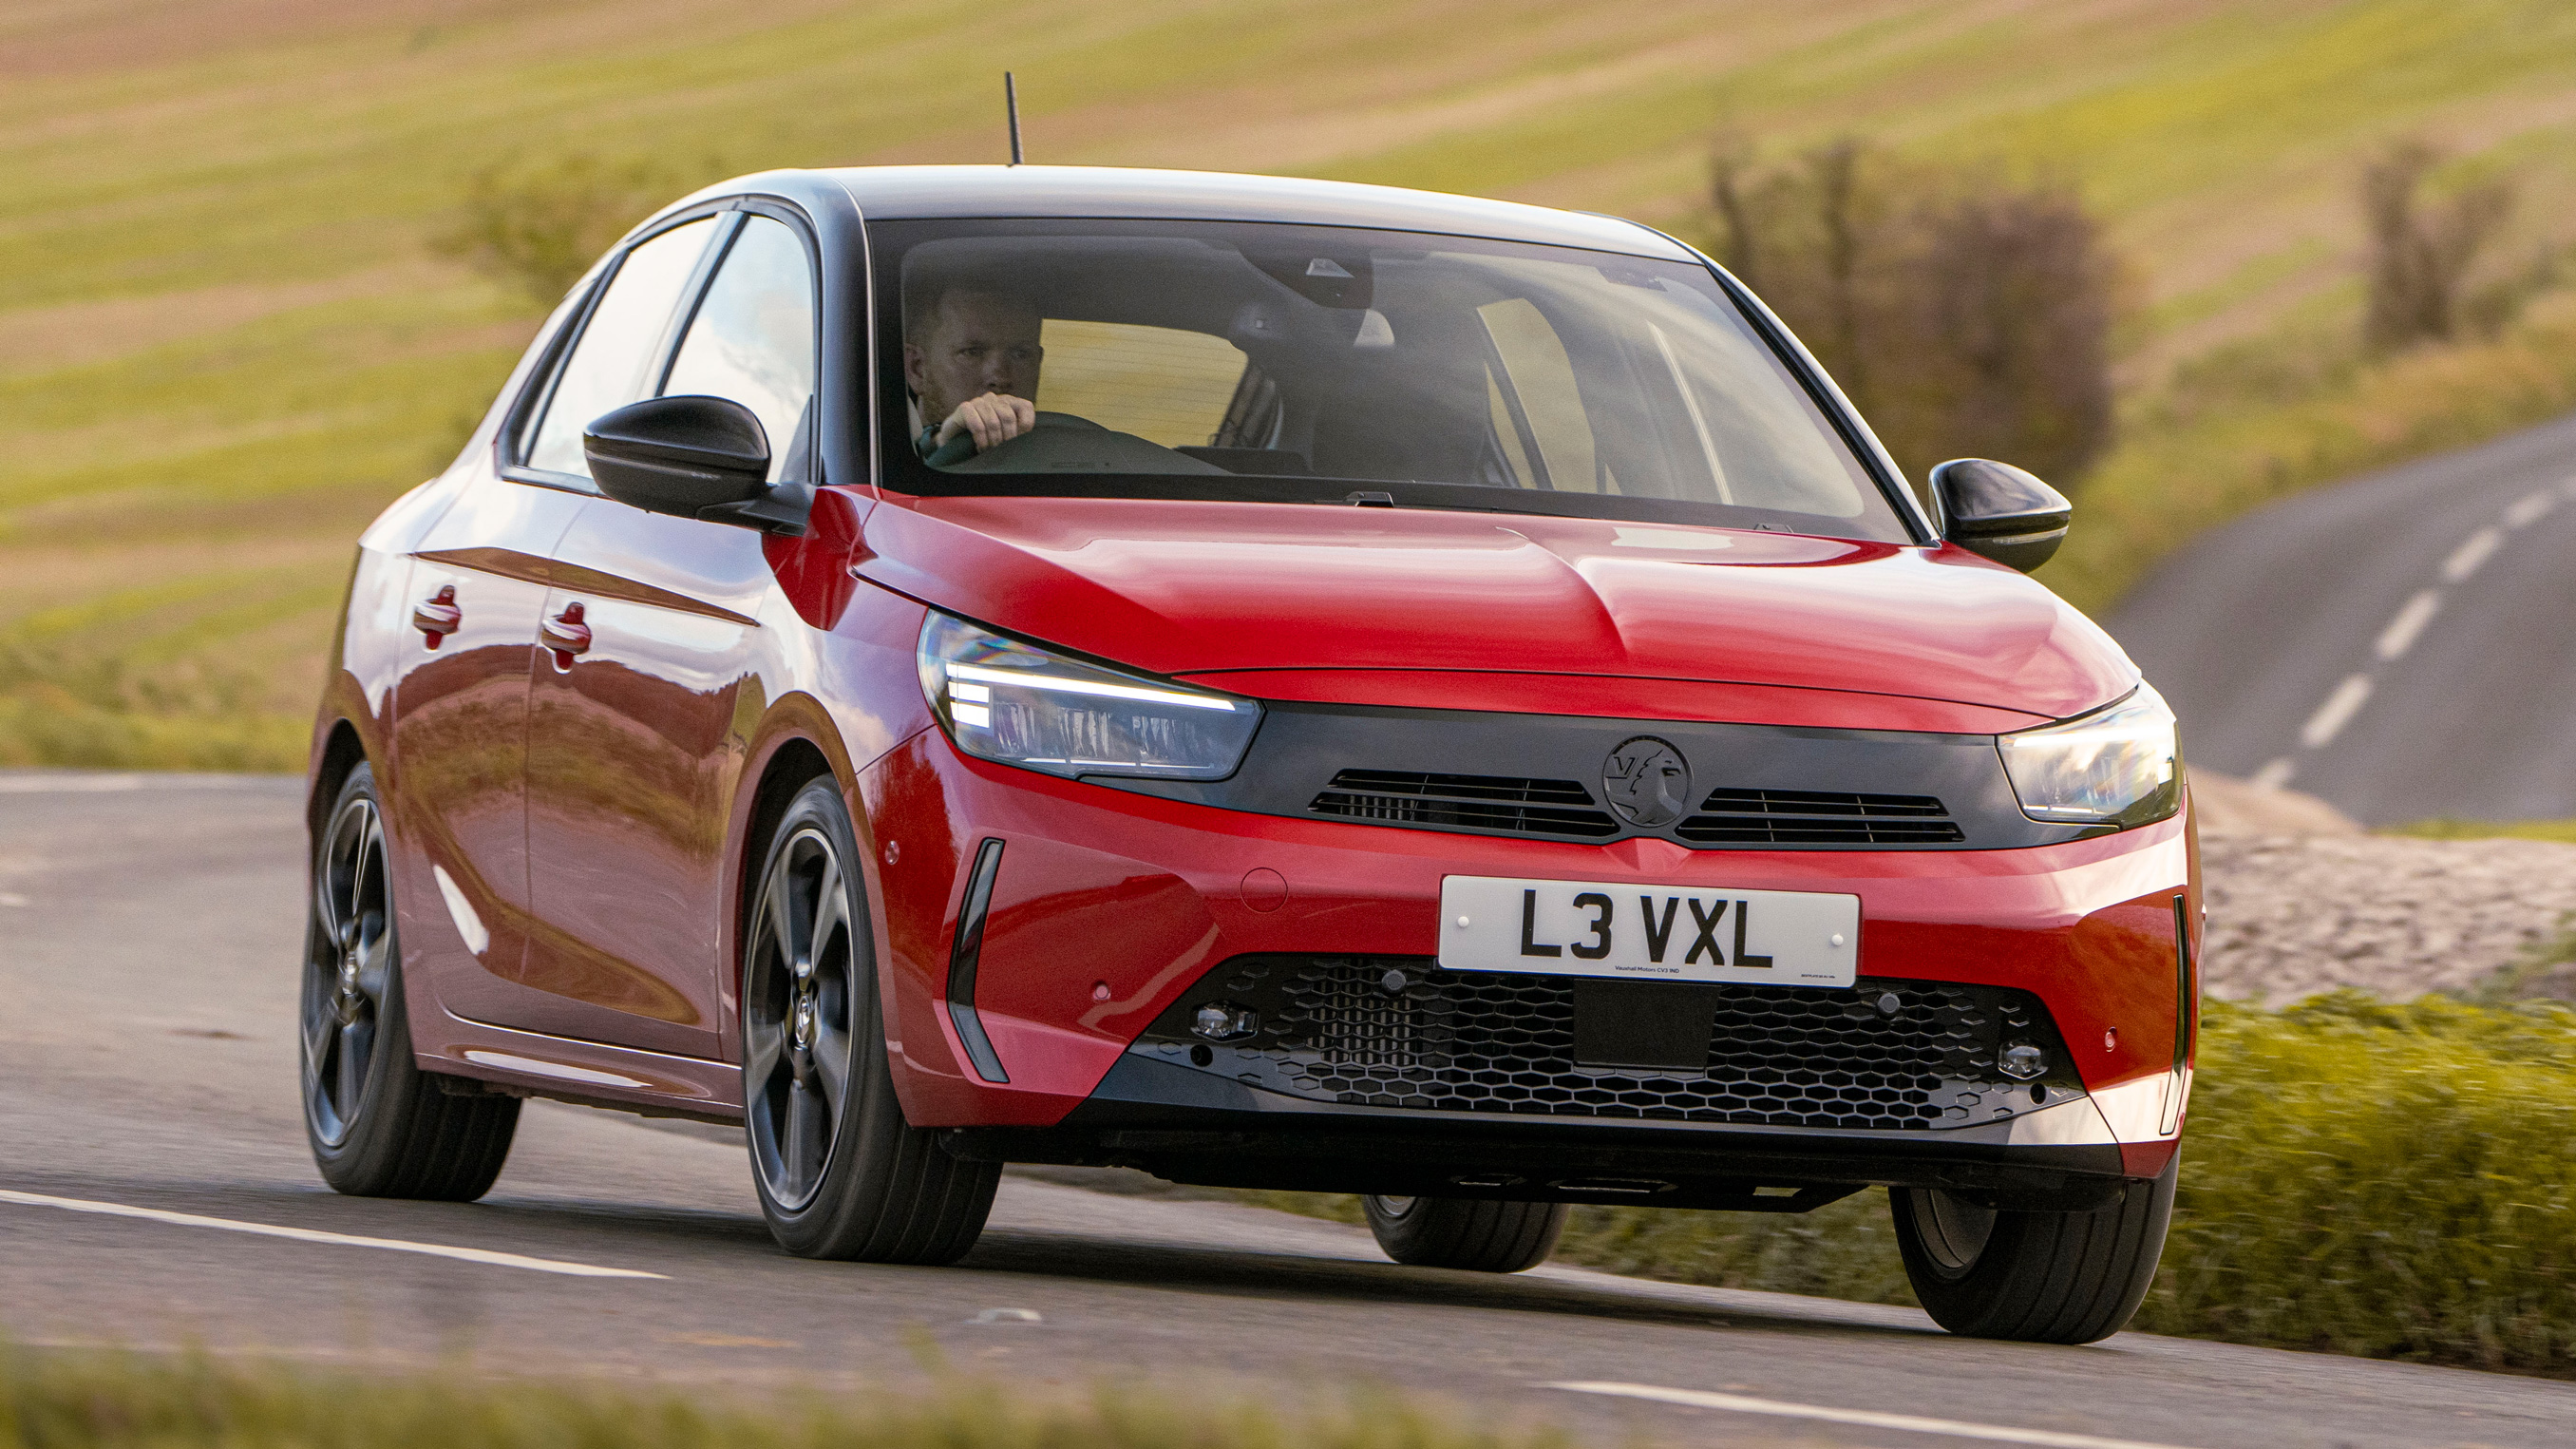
(2387, 1181)
(110, 1401)
(227, 336)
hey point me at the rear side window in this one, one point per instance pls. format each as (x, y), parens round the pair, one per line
(618, 346)
(1163, 384)
(753, 341)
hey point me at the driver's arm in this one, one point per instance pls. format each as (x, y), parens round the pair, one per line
(990, 419)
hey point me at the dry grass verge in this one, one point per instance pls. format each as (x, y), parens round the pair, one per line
(110, 1401)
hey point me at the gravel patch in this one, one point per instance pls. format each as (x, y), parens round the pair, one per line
(2292, 915)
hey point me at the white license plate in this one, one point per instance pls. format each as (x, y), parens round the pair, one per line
(1648, 932)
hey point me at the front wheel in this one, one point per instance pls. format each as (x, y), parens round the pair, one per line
(1468, 1233)
(2040, 1277)
(379, 1125)
(839, 1171)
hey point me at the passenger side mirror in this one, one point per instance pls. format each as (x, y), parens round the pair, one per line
(693, 457)
(1997, 511)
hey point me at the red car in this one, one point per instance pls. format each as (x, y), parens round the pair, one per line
(1269, 682)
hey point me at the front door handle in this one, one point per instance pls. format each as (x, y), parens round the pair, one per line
(566, 635)
(437, 617)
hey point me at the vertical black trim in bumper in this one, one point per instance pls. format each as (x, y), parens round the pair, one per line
(963, 956)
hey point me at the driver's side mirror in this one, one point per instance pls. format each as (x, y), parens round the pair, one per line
(1997, 511)
(693, 457)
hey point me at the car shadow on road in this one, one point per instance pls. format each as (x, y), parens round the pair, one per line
(1255, 1273)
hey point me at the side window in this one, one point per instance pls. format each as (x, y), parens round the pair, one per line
(753, 340)
(607, 368)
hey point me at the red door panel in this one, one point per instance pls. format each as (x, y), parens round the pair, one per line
(460, 734)
(644, 701)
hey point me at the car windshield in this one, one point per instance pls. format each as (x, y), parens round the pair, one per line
(1328, 364)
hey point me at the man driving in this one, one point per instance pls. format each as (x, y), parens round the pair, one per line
(971, 356)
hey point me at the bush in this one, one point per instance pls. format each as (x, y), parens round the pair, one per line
(1963, 316)
(2420, 256)
(2388, 1181)
(538, 228)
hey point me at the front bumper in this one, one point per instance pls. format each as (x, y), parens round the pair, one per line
(1110, 906)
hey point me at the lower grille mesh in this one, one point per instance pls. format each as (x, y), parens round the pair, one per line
(1397, 1032)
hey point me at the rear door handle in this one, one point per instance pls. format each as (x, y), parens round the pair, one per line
(566, 635)
(437, 617)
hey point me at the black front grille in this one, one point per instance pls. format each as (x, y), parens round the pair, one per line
(1385, 1031)
(1819, 817)
(1476, 802)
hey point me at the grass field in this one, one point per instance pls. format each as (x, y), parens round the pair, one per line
(226, 338)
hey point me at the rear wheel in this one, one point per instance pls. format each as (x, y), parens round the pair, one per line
(1452, 1232)
(2042, 1277)
(379, 1125)
(840, 1173)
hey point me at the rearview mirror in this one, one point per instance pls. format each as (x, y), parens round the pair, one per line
(1997, 511)
(693, 457)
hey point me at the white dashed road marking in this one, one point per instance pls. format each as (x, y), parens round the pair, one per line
(2400, 634)
(1864, 1418)
(2529, 509)
(2336, 712)
(2473, 551)
(314, 1235)
(2276, 772)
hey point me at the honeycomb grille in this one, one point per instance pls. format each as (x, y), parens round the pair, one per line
(1476, 802)
(1397, 1032)
(1815, 817)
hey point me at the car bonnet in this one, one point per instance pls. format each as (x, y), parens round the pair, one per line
(1208, 589)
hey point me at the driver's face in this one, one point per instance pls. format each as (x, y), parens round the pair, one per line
(980, 343)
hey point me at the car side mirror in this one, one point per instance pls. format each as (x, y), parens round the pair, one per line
(1997, 511)
(693, 457)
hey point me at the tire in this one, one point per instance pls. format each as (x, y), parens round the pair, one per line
(839, 1171)
(378, 1124)
(2039, 1277)
(1467, 1233)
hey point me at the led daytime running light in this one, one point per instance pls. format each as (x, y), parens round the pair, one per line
(977, 675)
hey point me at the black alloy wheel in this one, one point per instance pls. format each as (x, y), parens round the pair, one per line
(2040, 1277)
(379, 1126)
(839, 1171)
(797, 1021)
(1472, 1234)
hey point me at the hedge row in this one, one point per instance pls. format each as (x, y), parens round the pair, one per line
(2390, 1181)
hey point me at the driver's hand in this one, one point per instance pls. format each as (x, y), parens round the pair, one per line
(993, 418)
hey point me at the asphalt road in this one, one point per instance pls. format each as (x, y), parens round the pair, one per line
(2402, 645)
(147, 938)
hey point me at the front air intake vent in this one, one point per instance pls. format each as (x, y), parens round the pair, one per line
(1819, 817)
(1465, 802)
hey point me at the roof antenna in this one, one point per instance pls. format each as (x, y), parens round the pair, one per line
(1011, 100)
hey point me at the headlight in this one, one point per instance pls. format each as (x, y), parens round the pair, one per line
(2115, 766)
(1011, 701)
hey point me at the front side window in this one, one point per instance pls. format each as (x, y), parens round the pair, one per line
(619, 345)
(1242, 360)
(753, 340)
